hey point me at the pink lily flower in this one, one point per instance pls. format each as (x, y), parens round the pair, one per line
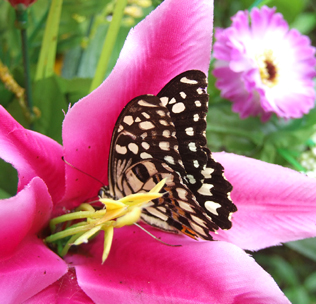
(275, 204)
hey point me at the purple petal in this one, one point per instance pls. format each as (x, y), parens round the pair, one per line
(275, 204)
(273, 67)
(27, 212)
(144, 271)
(174, 38)
(31, 154)
(32, 268)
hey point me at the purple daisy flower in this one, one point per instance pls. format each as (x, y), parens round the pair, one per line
(263, 67)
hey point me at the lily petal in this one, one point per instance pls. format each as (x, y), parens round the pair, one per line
(275, 204)
(174, 38)
(31, 154)
(66, 291)
(32, 268)
(144, 271)
(26, 213)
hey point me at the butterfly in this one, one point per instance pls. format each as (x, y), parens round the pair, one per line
(164, 136)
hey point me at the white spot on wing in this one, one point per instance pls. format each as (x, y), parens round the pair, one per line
(172, 101)
(198, 220)
(128, 119)
(185, 206)
(146, 115)
(133, 148)
(181, 193)
(197, 103)
(188, 81)
(196, 117)
(166, 133)
(196, 163)
(207, 172)
(144, 103)
(189, 131)
(206, 189)
(157, 213)
(192, 147)
(169, 159)
(121, 149)
(197, 228)
(161, 113)
(163, 122)
(191, 178)
(145, 145)
(200, 90)
(145, 155)
(164, 145)
(146, 125)
(178, 107)
(183, 95)
(212, 207)
(164, 100)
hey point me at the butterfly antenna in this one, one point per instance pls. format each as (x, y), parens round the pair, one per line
(142, 228)
(72, 166)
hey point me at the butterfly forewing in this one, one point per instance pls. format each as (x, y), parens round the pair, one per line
(163, 136)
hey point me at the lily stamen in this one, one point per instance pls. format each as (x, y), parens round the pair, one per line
(123, 212)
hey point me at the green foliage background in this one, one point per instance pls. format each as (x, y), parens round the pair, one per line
(82, 29)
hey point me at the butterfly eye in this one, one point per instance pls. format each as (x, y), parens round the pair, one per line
(104, 192)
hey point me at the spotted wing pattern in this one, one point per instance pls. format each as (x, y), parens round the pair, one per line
(163, 136)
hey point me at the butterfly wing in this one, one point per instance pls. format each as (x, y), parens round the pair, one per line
(144, 150)
(186, 98)
(164, 136)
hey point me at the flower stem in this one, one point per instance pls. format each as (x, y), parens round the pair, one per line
(21, 23)
(109, 43)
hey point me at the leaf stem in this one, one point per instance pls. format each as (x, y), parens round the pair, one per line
(289, 158)
(108, 44)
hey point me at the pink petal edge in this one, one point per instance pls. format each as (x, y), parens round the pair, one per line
(174, 38)
(144, 271)
(64, 291)
(32, 268)
(31, 154)
(275, 204)
(26, 213)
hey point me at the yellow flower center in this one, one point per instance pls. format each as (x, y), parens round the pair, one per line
(86, 222)
(268, 68)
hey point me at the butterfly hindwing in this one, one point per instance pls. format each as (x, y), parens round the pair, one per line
(186, 98)
(163, 136)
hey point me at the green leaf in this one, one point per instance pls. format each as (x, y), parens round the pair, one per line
(49, 98)
(310, 283)
(74, 89)
(84, 8)
(289, 11)
(8, 181)
(45, 66)
(109, 43)
(305, 23)
(305, 247)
